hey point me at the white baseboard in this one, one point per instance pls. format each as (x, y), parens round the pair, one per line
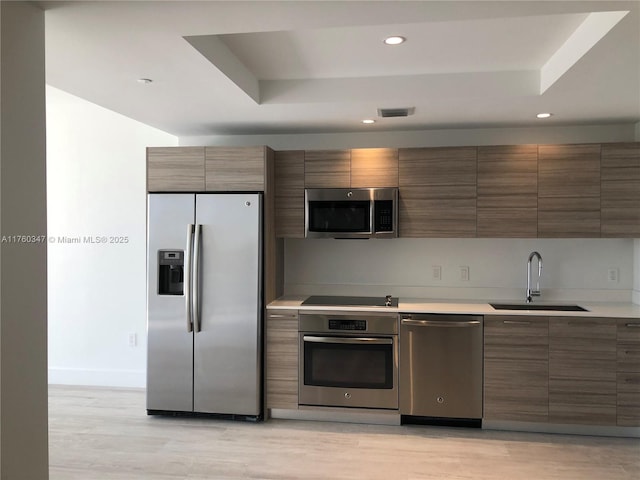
(98, 378)
(635, 296)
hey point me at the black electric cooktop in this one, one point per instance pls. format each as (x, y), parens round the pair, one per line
(342, 301)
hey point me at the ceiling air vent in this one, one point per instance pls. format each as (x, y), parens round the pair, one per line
(395, 112)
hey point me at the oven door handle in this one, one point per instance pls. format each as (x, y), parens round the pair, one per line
(348, 340)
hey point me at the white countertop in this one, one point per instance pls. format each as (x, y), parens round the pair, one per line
(427, 305)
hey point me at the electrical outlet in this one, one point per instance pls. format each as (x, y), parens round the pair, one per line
(133, 339)
(464, 273)
(436, 271)
(613, 275)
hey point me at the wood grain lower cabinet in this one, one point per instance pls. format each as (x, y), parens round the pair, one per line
(582, 370)
(569, 190)
(175, 169)
(620, 190)
(327, 169)
(508, 191)
(289, 193)
(235, 169)
(281, 359)
(628, 373)
(516, 368)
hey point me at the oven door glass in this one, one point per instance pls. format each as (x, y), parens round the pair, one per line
(340, 216)
(348, 362)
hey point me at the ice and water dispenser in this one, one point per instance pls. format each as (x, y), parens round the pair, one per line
(170, 272)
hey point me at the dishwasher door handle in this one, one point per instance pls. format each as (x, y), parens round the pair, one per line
(440, 323)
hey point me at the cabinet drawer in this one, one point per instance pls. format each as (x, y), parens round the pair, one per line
(629, 399)
(583, 328)
(629, 331)
(629, 357)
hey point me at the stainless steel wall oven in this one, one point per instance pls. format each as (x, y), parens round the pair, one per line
(349, 359)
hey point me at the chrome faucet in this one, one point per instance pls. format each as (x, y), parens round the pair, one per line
(536, 292)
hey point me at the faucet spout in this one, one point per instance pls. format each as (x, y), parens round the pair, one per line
(533, 292)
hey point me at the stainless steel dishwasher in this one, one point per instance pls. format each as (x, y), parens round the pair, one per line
(441, 366)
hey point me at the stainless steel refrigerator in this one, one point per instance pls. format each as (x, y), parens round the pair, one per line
(205, 304)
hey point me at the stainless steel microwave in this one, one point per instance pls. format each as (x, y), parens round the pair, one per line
(351, 212)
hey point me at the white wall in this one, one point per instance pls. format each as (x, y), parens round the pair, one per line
(574, 269)
(23, 287)
(96, 179)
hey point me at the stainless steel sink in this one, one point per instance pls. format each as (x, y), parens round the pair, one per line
(538, 306)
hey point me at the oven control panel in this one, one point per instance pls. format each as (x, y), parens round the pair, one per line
(353, 325)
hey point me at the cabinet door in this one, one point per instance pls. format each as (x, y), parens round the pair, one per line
(239, 169)
(437, 192)
(508, 191)
(620, 195)
(175, 169)
(629, 372)
(516, 368)
(327, 169)
(569, 190)
(282, 359)
(582, 370)
(289, 188)
(374, 167)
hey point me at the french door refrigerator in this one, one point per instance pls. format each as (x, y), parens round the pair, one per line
(205, 301)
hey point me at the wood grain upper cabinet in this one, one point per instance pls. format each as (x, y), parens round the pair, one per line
(508, 191)
(289, 191)
(620, 195)
(175, 169)
(516, 368)
(569, 190)
(281, 359)
(231, 169)
(628, 373)
(374, 167)
(327, 169)
(437, 192)
(582, 370)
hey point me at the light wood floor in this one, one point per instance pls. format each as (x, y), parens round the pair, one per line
(97, 434)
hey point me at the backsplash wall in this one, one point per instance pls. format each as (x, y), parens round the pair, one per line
(574, 269)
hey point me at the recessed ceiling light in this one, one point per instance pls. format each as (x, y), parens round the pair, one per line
(544, 115)
(368, 121)
(395, 40)
(145, 81)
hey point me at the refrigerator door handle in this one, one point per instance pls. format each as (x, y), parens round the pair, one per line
(187, 277)
(197, 246)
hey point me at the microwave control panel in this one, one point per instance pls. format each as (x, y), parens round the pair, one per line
(384, 216)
